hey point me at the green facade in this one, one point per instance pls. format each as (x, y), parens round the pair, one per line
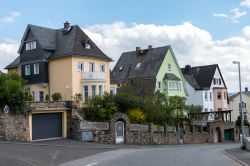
(170, 87)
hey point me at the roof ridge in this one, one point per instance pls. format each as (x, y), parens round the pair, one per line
(147, 49)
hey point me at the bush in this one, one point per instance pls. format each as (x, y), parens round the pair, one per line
(77, 97)
(28, 97)
(56, 96)
(136, 116)
(47, 98)
(125, 102)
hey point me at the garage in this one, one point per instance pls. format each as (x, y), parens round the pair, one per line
(229, 134)
(46, 125)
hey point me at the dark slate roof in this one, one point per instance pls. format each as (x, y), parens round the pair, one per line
(170, 76)
(14, 64)
(64, 44)
(150, 59)
(200, 77)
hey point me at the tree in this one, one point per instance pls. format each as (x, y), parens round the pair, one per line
(12, 93)
(238, 122)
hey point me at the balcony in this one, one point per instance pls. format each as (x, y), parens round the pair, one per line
(93, 76)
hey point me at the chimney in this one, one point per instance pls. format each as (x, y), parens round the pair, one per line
(246, 89)
(150, 46)
(66, 25)
(187, 69)
(138, 50)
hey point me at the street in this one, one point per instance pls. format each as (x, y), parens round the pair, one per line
(74, 153)
(186, 155)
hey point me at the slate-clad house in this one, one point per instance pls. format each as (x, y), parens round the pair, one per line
(206, 87)
(62, 60)
(149, 70)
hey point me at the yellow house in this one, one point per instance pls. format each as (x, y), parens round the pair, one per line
(61, 60)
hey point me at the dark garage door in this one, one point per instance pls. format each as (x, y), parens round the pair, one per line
(46, 125)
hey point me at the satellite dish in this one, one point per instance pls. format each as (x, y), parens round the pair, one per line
(6, 109)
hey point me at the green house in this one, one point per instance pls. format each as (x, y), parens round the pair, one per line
(149, 70)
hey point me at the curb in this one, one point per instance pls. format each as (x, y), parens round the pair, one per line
(234, 158)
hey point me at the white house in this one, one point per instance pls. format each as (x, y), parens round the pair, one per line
(206, 88)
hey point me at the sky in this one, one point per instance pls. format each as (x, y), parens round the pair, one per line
(201, 32)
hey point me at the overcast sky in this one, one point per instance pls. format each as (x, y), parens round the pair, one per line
(201, 32)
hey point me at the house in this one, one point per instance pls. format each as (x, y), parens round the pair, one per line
(149, 70)
(234, 101)
(61, 60)
(206, 87)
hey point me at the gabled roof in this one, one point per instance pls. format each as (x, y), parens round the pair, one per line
(63, 44)
(150, 59)
(231, 97)
(201, 77)
(14, 64)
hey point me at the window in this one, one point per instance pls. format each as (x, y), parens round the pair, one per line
(138, 66)
(219, 109)
(159, 85)
(80, 66)
(88, 46)
(86, 94)
(206, 110)
(30, 45)
(218, 95)
(169, 67)
(102, 67)
(214, 81)
(93, 87)
(100, 90)
(36, 68)
(211, 110)
(113, 91)
(219, 81)
(210, 96)
(91, 67)
(33, 95)
(41, 95)
(225, 95)
(180, 86)
(27, 70)
(205, 95)
(120, 69)
(173, 86)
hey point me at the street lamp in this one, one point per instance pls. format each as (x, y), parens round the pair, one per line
(241, 111)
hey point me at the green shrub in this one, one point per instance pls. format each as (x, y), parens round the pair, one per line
(47, 98)
(77, 97)
(28, 97)
(56, 96)
(136, 116)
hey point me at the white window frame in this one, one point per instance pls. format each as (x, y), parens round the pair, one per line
(81, 67)
(121, 67)
(102, 67)
(101, 90)
(205, 96)
(27, 70)
(138, 66)
(92, 92)
(40, 96)
(88, 46)
(91, 67)
(36, 68)
(33, 94)
(169, 67)
(173, 85)
(30, 45)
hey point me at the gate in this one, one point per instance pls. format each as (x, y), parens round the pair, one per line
(119, 132)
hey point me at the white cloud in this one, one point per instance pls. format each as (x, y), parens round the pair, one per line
(220, 15)
(245, 3)
(8, 52)
(236, 14)
(191, 45)
(10, 18)
(246, 31)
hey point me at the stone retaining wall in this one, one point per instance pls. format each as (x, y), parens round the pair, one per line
(197, 137)
(17, 127)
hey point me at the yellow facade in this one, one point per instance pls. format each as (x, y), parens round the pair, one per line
(15, 70)
(36, 88)
(65, 78)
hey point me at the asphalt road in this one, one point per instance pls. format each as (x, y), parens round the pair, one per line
(179, 155)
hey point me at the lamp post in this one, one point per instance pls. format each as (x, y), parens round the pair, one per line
(241, 111)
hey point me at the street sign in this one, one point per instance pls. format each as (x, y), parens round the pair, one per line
(6, 109)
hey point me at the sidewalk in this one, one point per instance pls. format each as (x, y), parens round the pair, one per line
(242, 156)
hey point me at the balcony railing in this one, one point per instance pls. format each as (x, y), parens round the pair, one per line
(88, 76)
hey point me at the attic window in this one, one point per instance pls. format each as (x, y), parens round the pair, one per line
(88, 46)
(138, 66)
(30, 45)
(120, 69)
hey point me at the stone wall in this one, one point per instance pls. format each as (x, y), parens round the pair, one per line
(197, 137)
(17, 127)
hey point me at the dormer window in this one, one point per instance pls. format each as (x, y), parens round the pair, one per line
(88, 46)
(30, 45)
(120, 69)
(138, 66)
